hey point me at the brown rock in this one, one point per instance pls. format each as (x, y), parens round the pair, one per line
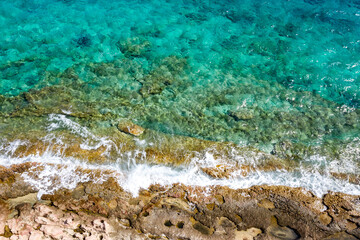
(219, 199)
(201, 227)
(78, 192)
(112, 204)
(7, 232)
(350, 225)
(265, 203)
(178, 211)
(277, 232)
(283, 233)
(249, 234)
(220, 171)
(325, 218)
(177, 203)
(130, 128)
(340, 236)
(210, 206)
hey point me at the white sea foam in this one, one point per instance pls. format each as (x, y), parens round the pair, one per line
(91, 141)
(133, 174)
(60, 172)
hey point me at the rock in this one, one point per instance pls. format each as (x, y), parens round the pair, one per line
(340, 236)
(7, 232)
(36, 235)
(78, 192)
(54, 231)
(243, 114)
(83, 41)
(226, 223)
(350, 225)
(277, 232)
(210, 206)
(248, 234)
(125, 223)
(283, 233)
(105, 210)
(201, 227)
(265, 203)
(133, 47)
(112, 204)
(219, 199)
(130, 128)
(219, 171)
(29, 198)
(325, 219)
(177, 203)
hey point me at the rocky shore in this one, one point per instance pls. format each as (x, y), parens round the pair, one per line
(93, 209)
(105, 211)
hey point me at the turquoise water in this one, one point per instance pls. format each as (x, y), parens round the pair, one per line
(282, 76)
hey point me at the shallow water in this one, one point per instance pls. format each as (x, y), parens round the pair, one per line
(280, 76)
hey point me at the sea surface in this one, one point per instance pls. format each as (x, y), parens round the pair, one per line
(280, 76)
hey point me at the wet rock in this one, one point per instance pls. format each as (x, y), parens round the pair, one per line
(164, 75)
(133, 47)
(220, 171)
(83, 41)
(78, 192)
(243, 114)
(130, 128)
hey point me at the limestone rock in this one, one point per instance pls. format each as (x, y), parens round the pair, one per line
(29, 198)
(350, 225)
(340, 236)
(105, 211)
(277, 232)
(130, 128)
(265, 203)
(201, 227)
(283, 233)
(249, 234)
(325, 219)
(219, 171)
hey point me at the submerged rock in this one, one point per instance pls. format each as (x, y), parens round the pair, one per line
(130, 128)
(133, 47)
(243, 114)
(83, 41)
